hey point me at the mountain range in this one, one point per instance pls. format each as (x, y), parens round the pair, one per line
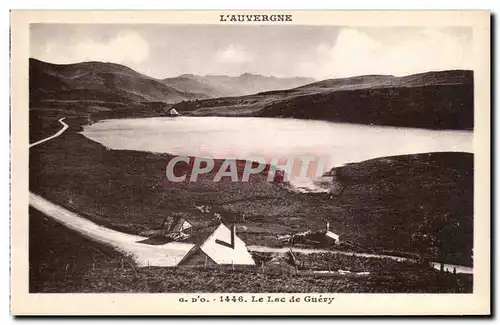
(436, 99)
(222, 86)
(99, 81)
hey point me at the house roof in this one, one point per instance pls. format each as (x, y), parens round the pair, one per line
(175, 223)
(224, 254)
(332, 235)
(181, 225)
(200, 235)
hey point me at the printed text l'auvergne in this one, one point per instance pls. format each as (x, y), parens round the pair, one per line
(255, 18)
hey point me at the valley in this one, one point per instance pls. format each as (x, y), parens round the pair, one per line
(417, 205)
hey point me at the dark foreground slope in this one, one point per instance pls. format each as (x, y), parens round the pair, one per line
(64, 261)
(60, 259)
(424, 201)
(416, 204)
(437, 100)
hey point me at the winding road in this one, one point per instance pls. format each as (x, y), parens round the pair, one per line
(58, 133)
(169, 254)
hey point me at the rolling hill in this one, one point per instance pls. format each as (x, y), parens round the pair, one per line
(102, 86)
(192, 83)
(437, 100)
(432, 78)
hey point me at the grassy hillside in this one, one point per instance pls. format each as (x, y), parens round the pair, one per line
(437, 100)
(61, 259)
(432, 78)
(424, 201)
(97, 82)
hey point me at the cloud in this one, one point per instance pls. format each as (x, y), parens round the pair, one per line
(125, 47)
(356, 53)
(233, 54)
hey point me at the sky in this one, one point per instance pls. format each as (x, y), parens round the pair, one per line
(319, 52)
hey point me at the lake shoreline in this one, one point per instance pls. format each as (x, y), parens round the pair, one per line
(316, 146)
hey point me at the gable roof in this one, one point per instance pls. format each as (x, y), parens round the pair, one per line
(224, 253)
(176, 224)
(181, 225)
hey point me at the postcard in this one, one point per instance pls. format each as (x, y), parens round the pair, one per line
(250, 163)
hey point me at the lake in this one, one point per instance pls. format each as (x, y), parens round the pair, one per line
(325, 144)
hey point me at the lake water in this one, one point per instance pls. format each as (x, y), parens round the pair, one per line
(326, 144)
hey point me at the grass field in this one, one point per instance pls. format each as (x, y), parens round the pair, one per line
(60, 259)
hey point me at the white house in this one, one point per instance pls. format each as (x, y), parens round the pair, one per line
(222, 246)
(332, 235)
(173, 112)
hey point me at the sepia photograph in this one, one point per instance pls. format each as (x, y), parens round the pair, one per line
(249, 154)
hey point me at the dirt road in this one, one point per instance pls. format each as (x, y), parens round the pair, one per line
(168, 254)
(313, 250)
(436, 265)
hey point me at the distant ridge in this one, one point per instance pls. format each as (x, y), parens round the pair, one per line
(435, 99)
(111, 82)
(432, 78)
(245, 84)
